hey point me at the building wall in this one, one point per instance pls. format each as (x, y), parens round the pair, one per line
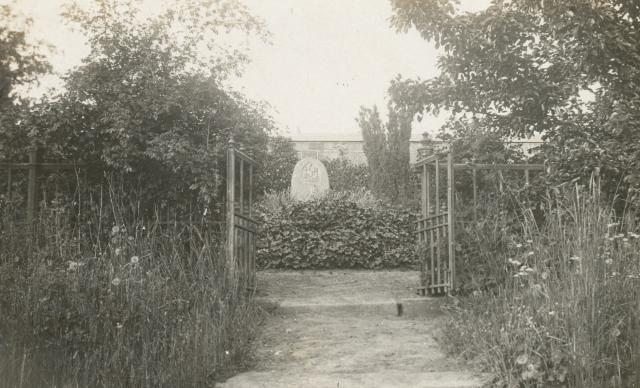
(352, 149)
(349, 149)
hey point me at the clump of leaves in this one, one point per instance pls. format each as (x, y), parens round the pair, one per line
(336, 231)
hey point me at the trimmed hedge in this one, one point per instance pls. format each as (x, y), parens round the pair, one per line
(336, 231)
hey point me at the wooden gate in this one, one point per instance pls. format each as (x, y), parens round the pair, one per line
(436, 225)
(435, 229)
(241, 227)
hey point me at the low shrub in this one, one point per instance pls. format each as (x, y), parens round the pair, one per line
(149, 306)
(567, 312)
(339, 230)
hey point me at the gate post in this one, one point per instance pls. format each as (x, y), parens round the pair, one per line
(451, 218)
(32, 185)
(231, 196)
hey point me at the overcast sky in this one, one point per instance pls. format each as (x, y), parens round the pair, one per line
(325, 60)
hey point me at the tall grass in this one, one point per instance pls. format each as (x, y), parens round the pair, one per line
(86, 302)
(568, 314)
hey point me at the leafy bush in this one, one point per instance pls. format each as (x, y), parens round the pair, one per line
(147, 104)
(135, 305)
(567, 314)
(345, 175)
(276, 170)
(339, 230)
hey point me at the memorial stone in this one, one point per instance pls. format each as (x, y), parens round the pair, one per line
(309, 179)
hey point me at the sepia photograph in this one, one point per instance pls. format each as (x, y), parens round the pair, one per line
(319, 193)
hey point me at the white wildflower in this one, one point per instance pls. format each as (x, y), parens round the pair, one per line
(135, 260)
(73, 265)
(116, 282)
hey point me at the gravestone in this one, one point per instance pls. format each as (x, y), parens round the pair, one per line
(309, 179)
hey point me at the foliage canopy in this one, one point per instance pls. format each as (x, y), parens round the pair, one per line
(524, 67)
(149, 102)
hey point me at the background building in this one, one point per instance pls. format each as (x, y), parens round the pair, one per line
(350, 146)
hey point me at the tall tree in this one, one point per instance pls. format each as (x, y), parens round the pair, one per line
(386, 147)
(520, 67)
(21, 62)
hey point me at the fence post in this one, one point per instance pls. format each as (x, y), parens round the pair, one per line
(32, 185)
(9, 183)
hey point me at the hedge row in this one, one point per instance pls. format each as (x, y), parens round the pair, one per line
(336, 231)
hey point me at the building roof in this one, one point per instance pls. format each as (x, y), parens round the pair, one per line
(345, 136)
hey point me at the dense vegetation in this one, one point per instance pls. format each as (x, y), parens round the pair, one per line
(101, 291)
(129, 304)
(148, 105)
(562, 310)
(549, 273)
(563, 70)
(338, 230)
(345, 175)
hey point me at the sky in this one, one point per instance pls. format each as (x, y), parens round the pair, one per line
(325, 59)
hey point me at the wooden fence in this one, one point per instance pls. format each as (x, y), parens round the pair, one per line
(34, 168)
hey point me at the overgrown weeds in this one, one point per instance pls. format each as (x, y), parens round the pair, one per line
(567, 313)
(130, 304)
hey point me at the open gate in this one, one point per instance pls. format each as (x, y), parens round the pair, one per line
(436, 226)
(435, 229)
(241, 227)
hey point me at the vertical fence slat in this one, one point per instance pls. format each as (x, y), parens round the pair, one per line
(32, 183)
(437, 187)
(451, 217)
(241, 194)
(474, 173)
(9, 183)
(250, 190)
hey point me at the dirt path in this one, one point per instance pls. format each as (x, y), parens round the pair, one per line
(342, 329)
